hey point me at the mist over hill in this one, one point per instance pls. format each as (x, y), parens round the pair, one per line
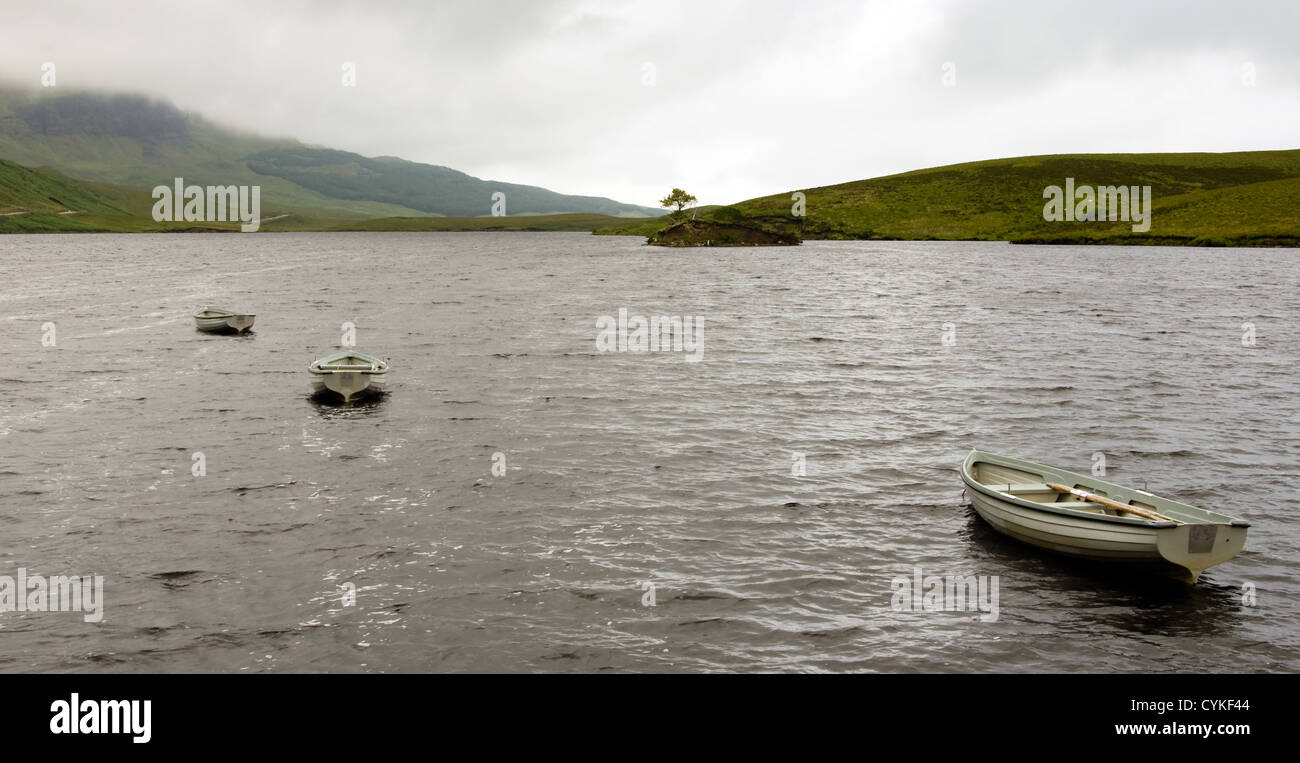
(135, 140)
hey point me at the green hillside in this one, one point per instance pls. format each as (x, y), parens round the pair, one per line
(135, 141)
(39, 200)
(44, 191)
(425, 187)
(49, 202)
(1197, 198)
(1253, 214)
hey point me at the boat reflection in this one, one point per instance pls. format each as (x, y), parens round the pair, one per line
(332, 406)
(1105, 597)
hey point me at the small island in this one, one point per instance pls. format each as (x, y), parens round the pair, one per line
(724, 227)
(712, 233)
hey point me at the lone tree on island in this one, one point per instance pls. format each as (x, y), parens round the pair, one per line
(679, 199)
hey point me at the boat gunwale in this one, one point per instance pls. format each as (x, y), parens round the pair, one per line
(351, 370)
(321, 366)
(217, 312)
(978, 456)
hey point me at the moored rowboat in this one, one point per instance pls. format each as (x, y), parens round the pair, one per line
(1087, 517)
(348, 374)
(218, 320)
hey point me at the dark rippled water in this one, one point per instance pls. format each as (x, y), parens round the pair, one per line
(626, 469)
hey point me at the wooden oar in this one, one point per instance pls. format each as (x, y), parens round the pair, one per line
(1085, 495)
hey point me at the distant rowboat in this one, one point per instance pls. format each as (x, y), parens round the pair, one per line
(1086, 517)
(216, 320)
(348, 374)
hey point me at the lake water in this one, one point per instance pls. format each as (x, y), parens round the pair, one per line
(651, 515)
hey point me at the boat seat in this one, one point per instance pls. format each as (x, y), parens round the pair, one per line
(1023, 488)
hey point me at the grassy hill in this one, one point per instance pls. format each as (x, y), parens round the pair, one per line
(44, 191)
(39, 200)
(133, 141)
(1266, 213)
(424, 187)
(49, 202)
(139, 142)
(1245, 198)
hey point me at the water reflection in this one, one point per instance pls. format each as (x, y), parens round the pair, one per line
(1104, 595)
(331, 405)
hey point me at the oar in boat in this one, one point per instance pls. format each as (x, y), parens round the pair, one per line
(1085, 495)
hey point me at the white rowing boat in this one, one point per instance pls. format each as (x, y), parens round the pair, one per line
(1087, 517)
(348, 374)
(216, 320)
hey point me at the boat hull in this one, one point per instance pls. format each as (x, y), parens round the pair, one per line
(349, 385)
(224, 324)
(1186, 548)
(1067, 535)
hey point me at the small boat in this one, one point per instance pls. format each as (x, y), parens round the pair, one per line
(216, 320)
(1087, 517)
(348, 374)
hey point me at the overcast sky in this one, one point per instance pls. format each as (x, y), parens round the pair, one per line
(729, 99)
